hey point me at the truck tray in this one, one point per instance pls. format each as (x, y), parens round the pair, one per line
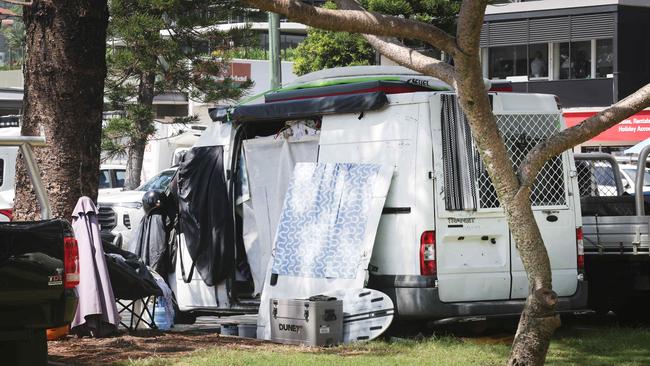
(616, 234)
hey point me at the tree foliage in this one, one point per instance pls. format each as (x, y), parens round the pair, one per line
(326, 49)
(15, 36)
(162, 46)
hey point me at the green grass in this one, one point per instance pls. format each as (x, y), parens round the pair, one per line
(604, 346)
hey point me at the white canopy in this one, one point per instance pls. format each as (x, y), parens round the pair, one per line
(636, 149)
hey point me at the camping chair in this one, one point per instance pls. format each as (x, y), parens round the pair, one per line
(132, 285)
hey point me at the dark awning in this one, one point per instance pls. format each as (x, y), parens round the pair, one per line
(306, 108)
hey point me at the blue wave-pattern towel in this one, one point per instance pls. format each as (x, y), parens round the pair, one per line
(323, 221)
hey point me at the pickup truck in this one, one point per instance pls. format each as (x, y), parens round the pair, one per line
(38, 272)
(616, 237)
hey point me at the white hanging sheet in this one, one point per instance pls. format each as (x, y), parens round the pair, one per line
(269, 164)
(326, 232)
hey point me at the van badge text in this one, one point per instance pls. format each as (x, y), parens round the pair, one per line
(419, 82)
(461, 221)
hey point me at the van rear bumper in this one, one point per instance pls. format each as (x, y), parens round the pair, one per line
(416, 297)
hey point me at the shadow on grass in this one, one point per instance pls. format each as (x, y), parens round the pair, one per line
(597, 345)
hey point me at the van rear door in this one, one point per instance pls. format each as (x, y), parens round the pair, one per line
(472, 244)
(552, 198)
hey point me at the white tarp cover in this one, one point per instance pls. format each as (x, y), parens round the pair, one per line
(326, 232)
(269, 164)
(636, 149)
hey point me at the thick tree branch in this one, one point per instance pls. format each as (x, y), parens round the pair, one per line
(470, 22)
(359, 21)
(413, 59)
(584, 131)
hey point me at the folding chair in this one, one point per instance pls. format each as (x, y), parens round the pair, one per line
(134, 287)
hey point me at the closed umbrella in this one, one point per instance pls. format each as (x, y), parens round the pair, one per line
(96, 313)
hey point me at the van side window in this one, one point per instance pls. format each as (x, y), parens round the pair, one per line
(522, 132)
(464, 172)
(2, 172)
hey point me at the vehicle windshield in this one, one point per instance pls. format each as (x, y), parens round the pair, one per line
(104, 179)
(159, 182)
(632, 174)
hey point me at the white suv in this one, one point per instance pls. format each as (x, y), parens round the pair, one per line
(111, 178)
(121, 211)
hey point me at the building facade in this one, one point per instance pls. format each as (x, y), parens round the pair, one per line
(590, 53)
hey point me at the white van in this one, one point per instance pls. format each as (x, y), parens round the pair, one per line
(443, 248)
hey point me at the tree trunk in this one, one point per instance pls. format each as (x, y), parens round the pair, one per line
(65, 68)
(538, 320)
(142, 116)
(134, 163)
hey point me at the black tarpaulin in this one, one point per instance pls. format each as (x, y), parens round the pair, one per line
(306, 108)
(150, 241)
(204, 213)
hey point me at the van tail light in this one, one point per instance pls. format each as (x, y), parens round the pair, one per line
(70, 262)
(7, 212)
(580, 248)
(428, 265)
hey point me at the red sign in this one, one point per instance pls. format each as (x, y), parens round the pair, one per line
(635, 128)
(240, 72)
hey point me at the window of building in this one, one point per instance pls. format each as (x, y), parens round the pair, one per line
(604, 58)
(508, 61)
(563, 61)
(538, 60)
(573, 60)
(581, 60)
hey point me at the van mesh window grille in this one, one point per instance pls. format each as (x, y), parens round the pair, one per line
(521, 132)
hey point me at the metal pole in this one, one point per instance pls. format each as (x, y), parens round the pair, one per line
(274, 50)
(611, 160)
(35, 177)
(638, 184)
(25, 143)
